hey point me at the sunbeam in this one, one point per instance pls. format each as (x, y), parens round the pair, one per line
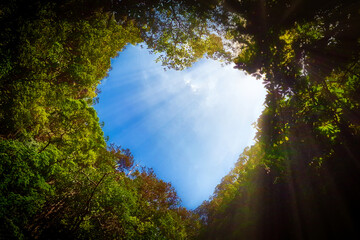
(189, 126)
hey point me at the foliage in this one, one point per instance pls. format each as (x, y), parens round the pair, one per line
(181, 31)
(23, 188)
(302, 183)
(58, 177)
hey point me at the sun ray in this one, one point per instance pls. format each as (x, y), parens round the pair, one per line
(190, 126)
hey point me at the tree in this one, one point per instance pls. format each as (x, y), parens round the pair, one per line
(59, 178)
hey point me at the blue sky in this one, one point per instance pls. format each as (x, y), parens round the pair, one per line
(189, 126)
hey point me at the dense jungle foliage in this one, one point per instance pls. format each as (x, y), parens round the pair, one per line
(301, 179)
(61, 179)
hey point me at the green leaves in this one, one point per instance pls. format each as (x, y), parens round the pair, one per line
(308, 134)
(58, 177)
(23, 184)
(180, 31)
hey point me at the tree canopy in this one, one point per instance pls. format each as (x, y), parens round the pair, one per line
(300, 180)
(61, 179)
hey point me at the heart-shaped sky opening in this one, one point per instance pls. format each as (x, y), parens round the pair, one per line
(190, 126)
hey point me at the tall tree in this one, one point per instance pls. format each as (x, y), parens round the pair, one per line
(307, 55)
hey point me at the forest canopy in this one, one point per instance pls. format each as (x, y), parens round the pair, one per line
(61, 179)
